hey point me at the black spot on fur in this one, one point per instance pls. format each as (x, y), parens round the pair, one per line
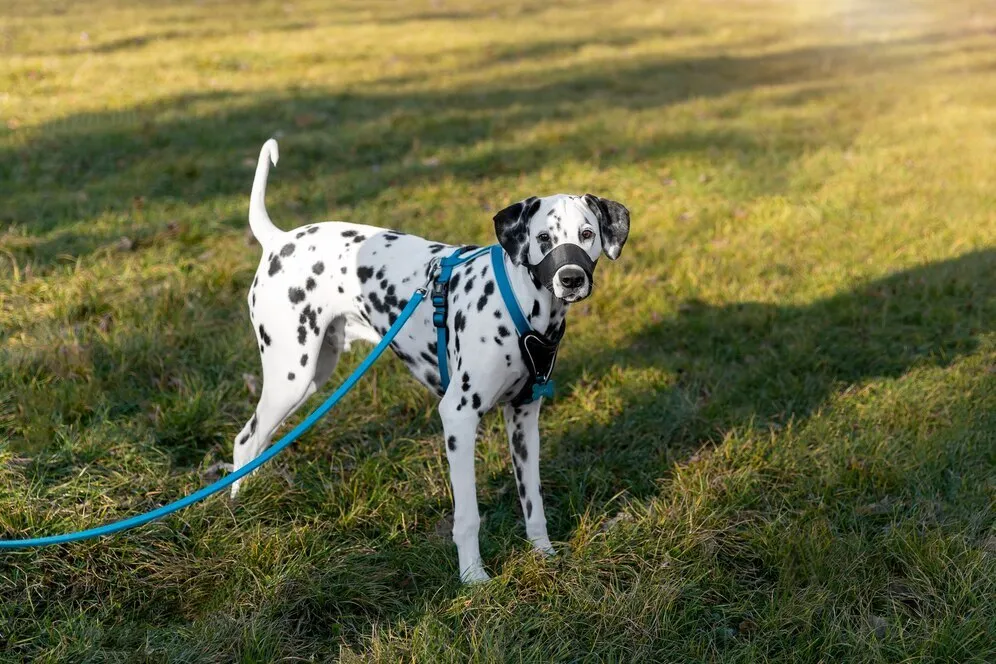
(364, 273)
(300, 235)
(469, 285)
(389, 237)
(309, 316)
(295, 294)
(503, 331)
(522, 487)
(519, 444)
(290, 376)
(341, 290)
(287, 249)
(310, 284)
(529, 509)
(497, 314)
(459, 321)
(274, 266)
(359, 238)
(302, 334)
(242, 439)
(304, 360)
(436, 248)
(451, 442)
(476, 401)
(263, 335)
(318, 267)
(313, 229)
(454, 281)
(343, 269)
(348, 233)
(536, 309)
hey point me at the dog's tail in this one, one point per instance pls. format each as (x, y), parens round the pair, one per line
(259, 221)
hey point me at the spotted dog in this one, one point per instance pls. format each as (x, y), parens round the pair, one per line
(320, 287)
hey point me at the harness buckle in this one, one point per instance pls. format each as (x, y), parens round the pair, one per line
(440, 290)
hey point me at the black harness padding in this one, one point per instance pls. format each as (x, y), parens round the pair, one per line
(539, 353)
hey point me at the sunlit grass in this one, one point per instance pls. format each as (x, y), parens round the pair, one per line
(774, 437)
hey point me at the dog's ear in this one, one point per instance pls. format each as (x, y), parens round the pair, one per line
(613, 223)
(512, 228)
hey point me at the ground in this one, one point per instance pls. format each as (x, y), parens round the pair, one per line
(775, 435)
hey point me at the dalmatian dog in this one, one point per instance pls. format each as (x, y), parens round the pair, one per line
(322, 286)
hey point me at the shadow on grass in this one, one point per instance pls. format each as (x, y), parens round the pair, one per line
(747, 364)
(349, 147)
(736, 365)
(762, 365)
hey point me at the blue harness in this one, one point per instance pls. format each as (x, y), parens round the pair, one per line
(538, 351)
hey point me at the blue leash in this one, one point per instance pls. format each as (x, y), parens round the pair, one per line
(270, 452)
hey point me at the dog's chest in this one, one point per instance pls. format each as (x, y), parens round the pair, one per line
(482, 342)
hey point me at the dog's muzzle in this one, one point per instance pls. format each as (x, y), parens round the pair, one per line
(567, 269)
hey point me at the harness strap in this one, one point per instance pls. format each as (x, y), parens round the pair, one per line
(440, 298)
(507, 294)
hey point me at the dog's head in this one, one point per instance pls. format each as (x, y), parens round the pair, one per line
(559, 238)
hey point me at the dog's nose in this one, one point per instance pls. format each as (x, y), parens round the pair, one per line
(571, 278)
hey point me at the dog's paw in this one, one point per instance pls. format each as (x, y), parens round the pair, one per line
(474, 575)
(235, 490)
(544, 547)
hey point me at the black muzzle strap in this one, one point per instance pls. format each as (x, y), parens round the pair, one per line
(560, 256)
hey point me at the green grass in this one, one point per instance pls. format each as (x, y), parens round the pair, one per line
(775, 438)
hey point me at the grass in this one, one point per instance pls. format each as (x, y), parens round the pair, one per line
(775, 438)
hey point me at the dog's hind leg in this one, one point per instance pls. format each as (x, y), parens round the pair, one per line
(328, 356)
(285, 390)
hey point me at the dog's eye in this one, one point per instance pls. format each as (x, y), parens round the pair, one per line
(543, 237)
(587, 234)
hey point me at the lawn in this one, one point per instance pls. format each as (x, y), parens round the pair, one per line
(775, 433)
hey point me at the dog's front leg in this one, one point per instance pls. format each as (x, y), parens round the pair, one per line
(460, 431)
(522, 425)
